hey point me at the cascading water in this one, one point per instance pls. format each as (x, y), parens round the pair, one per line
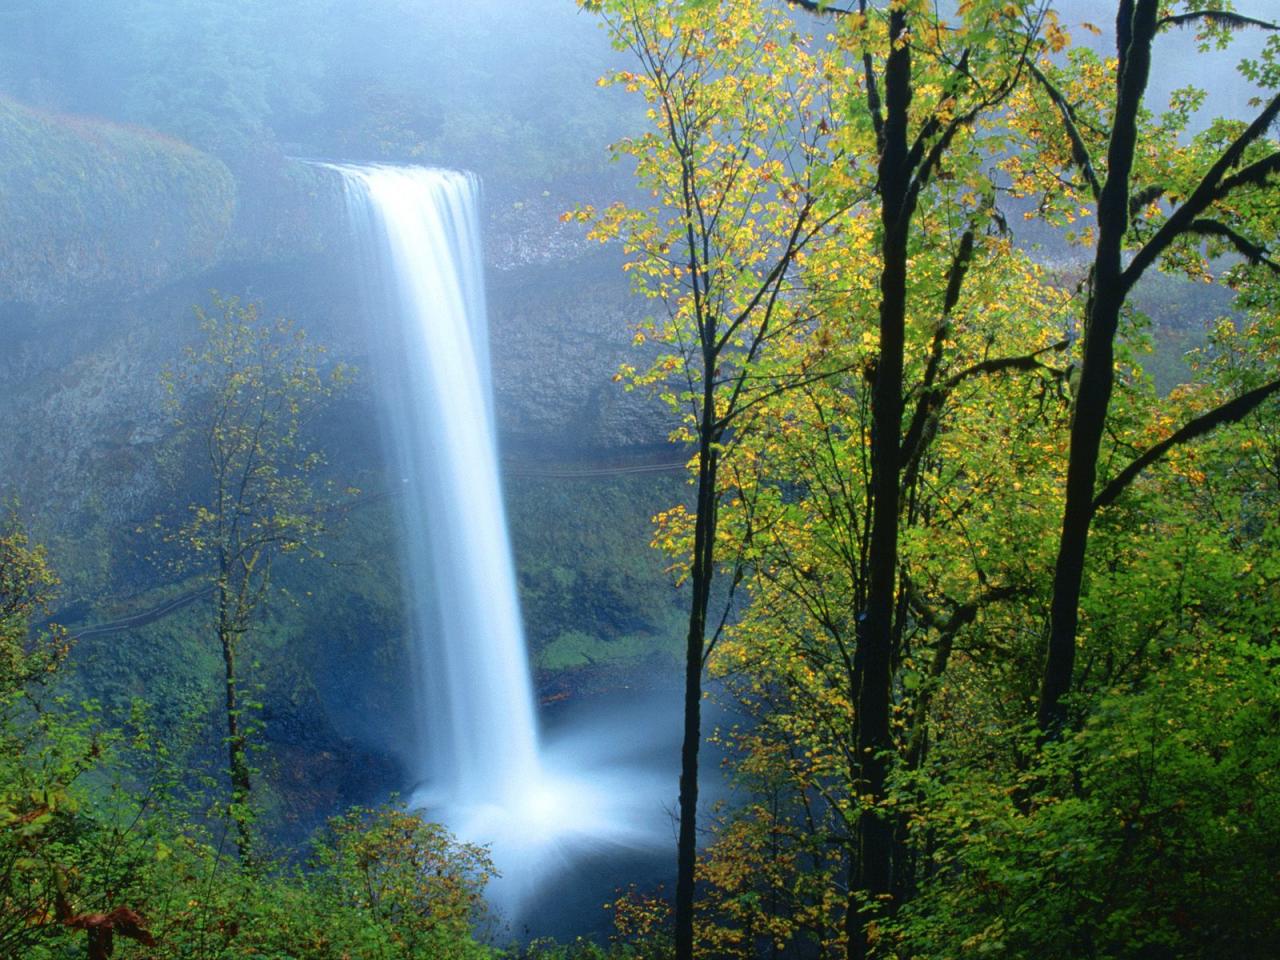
(476, 715)
(478, 747)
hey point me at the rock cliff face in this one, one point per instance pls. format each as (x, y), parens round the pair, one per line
(559, 332)
(83, 348)
(89, 207)
(82, 414)
(99, 274)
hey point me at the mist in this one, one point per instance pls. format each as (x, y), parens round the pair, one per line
(460, 527)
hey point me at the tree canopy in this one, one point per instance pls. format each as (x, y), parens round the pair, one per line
(906, 470)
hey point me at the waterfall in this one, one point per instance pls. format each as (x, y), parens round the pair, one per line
(540, 809)
(476, 718)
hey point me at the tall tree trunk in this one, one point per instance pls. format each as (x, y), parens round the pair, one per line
(875, 636)
(1135, 29)
(237, 746)
(700, 582)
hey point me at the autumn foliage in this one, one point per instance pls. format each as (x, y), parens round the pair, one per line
(962, 732)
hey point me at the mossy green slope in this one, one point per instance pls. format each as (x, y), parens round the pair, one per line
(89, 207)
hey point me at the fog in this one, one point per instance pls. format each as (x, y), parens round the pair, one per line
(494, 86)
(154, 153)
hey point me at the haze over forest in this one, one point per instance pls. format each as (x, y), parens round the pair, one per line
(804, 477)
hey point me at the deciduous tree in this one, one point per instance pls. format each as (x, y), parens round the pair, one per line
(740, 114)
(1155, 202)
(243, 396)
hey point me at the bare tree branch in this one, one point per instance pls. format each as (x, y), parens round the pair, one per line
(1079, 152)
(1255, 174)
(1026, 361)
(1213, 185)
(925, 403)
(820, 6)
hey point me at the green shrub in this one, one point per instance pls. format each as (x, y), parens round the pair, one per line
(1149, 834)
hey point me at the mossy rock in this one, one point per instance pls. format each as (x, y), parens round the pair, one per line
(90, 208)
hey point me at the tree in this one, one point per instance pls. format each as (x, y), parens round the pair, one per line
(966, 68)
(243, 396)
(739, 116)
(968, 72)
(888, 430)
(27, 587)
(800, 516)
(1151, 207)
(28, 889)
